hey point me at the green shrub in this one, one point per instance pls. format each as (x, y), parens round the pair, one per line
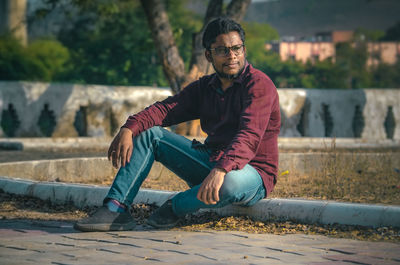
(43, 60)
(53, 56)
(16, 63)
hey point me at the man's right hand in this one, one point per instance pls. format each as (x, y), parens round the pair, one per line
(121, 148)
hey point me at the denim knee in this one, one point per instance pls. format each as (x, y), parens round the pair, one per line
(154, 132)
(244, 186)
(230, 188)
(148, 137)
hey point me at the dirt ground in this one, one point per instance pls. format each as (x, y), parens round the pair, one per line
(22, 207)
(19, 207)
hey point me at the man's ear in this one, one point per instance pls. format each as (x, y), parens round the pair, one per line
(207, 53)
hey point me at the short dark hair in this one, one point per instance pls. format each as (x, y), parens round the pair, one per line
(218, 26)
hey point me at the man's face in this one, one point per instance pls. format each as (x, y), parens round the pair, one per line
(228, 63)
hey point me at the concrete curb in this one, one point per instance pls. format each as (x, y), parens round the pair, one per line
(304, 211)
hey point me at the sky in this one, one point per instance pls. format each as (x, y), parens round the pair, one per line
(306, 17)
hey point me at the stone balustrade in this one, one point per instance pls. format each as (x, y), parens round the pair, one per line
(31, 109)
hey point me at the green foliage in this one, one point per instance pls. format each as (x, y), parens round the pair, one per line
(259, 31)
(324, 74)
(16, 63)
(42, 60)
(257, 35)
(386, 76)
(362, 34)
(53, 57)
(111, 44)
(353, 61)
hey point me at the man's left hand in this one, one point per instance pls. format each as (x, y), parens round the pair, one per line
(209, 189)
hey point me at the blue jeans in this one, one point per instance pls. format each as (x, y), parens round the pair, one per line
(243, 187)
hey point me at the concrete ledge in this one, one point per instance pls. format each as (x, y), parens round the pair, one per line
(284, 143)
(93, 169)
(305, 211)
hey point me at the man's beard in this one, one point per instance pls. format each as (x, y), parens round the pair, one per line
(227, 76)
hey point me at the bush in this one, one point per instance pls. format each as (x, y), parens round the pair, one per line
(53, 56)
(43, 60)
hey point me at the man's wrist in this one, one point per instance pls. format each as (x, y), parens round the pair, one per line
(125, 129)
(220, 170)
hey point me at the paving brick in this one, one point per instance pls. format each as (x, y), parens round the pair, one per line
(42, 244)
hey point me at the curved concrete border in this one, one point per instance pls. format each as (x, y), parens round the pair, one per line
(284, 143)
(305, 211)
(92, 169)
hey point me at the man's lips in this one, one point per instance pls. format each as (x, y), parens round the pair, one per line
(231, 65)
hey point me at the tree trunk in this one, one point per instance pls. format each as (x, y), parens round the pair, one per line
(237, 9)
(167, 50)
(13, 19)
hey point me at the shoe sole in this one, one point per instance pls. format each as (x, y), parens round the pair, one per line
(104, 227)
(156, 225)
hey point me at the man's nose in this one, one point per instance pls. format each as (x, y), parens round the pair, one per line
(230, 53)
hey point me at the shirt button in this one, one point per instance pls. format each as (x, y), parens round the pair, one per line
(222, 99)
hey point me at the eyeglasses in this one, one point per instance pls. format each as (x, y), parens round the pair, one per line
(225, 51)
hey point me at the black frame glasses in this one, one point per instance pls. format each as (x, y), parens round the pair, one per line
(225, 51)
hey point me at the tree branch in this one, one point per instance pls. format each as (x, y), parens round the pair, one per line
(236, 9)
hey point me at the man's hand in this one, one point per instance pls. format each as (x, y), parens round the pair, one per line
(209, 190)
(121, 148)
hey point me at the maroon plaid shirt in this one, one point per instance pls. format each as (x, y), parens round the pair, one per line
(242, 123)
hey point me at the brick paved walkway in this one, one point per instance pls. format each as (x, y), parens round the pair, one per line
(49, 242)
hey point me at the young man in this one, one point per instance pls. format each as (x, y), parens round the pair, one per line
(238, 108)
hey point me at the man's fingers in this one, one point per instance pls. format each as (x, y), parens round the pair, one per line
(215, 196)
(211, 198)
(201, 195)
(109, 153)
(207, 196)
(128, 155)
(116, 157)
(123, 155)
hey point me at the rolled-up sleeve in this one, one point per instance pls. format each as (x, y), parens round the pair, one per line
(173, 110)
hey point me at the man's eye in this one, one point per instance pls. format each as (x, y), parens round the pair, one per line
(221, 50)
(236, 48)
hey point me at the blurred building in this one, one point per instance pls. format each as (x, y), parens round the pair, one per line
(323, 46)
(387, 52)
(303, 50)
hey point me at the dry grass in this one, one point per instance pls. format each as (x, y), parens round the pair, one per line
(349, 177)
